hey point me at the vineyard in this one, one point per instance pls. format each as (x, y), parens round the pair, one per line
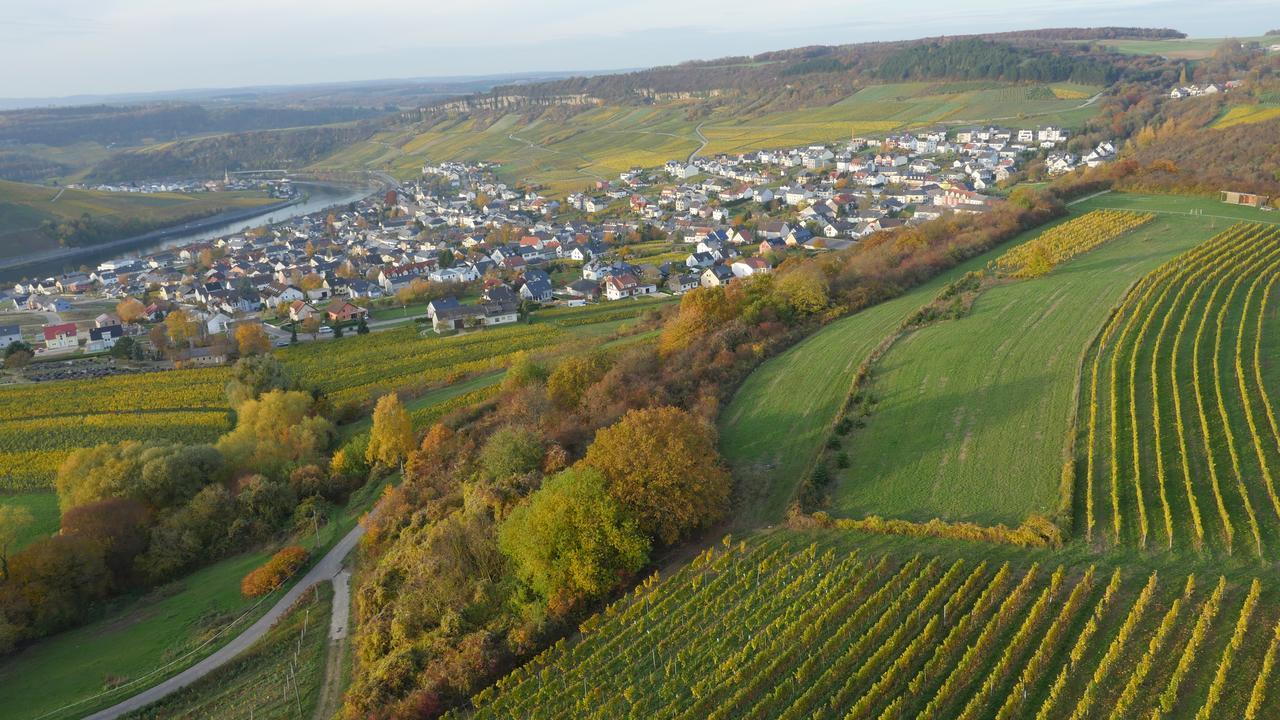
(1178, 443)
(1063, 242)
(359, 369)
(793, 629)
(46, 421)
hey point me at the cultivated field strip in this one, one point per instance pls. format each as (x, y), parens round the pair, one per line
(1180, 445)
(44, 422)
(359, 370)
(1062, 242)
(795, 630)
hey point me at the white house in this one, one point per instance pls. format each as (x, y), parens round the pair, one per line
(10, 334)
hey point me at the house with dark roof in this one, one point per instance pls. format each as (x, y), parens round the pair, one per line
(10, 334)
(104, 338)
(536, 287)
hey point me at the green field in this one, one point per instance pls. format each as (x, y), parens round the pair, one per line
(834, 625)
(1183, 49)
(45, 517)
(984, 441)
(567, 155)
(24, 207)
(777, 421)
(254, 685)
(50, 677)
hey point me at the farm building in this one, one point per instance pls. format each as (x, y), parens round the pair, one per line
(1240, 198)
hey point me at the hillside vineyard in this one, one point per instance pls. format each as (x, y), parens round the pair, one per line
(1180, 443)
(789, 629)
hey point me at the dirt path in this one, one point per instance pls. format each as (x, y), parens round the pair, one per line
(330, 701)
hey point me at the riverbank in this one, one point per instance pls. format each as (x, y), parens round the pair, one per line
(71, 253)
(322, 197)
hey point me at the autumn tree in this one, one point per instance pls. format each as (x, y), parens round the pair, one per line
(511, 451)
(571, 539)
(252, 339)
(524, 370)
(117, 525)
(159, 475)
(391, 438)
(17, 354)
(13, 522)
(700, 310)
(130, 310)
(804, 289)
(571, 378)
(662, 465)
(276, 432)
(255, 374)
(180, 328)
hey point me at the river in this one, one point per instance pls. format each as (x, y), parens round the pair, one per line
(316, 198)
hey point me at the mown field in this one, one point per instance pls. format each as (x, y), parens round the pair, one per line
(279, 678)
(24, 207)
(835, 626)
(973, 415)
(1179, 444)
(567, 155)
(1182, 49)
(778, 421)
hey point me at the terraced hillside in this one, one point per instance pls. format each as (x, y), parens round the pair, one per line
(791, 626)
(1181, 443)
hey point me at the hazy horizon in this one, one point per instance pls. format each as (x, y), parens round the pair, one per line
(117, 47)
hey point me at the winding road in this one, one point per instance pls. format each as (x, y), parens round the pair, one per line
(698, 131)
(328, 569)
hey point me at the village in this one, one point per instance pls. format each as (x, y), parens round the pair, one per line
(458, 249)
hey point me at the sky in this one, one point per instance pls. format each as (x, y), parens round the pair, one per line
(55, 48)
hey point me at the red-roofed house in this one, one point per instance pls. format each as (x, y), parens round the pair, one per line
(342, 311)
(59, 337)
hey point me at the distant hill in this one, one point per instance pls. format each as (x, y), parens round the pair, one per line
(34, 217)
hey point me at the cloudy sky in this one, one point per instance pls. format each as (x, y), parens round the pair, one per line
(52, 48)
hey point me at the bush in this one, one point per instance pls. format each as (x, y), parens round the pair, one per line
(273, 572)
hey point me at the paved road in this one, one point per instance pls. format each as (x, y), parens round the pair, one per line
(327, 569)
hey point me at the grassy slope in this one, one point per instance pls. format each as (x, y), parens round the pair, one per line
(253, 686)
(126, 644)
(962, 439)
(138, 637)
(1184, 49)
(23, 207)
(774, 425)
(43, 507)
(776, 421)
(601, 142)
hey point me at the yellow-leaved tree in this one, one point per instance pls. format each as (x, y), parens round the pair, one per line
(391, 439)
